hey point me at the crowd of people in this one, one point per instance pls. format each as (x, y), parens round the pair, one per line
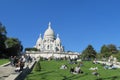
(73, 70)
(19, 62)
(76, 67)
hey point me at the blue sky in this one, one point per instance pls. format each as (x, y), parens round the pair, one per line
(78, 22)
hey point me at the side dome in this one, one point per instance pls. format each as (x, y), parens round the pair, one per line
(39, 41)
(49, 32)
(58, 39)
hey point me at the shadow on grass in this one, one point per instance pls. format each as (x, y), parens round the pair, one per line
(46, 72)
(43, 77)
(110, 78)
(76, 76)
(41, 73)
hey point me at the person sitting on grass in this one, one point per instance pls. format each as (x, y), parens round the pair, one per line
(76, 70)
(93, 68)
(110, 67)
(72, 70)
(63, 66)
(95, 73)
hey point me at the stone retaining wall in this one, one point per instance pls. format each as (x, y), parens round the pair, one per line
(6, 64)
(24, 73)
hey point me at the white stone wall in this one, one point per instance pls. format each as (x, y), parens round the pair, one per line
(55, 55)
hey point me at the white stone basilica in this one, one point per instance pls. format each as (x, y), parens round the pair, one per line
(50, 46)
(49, 42)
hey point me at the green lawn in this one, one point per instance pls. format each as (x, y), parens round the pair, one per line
(51, 71)
(3, 61)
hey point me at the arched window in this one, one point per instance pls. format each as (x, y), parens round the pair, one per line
(48, 47)
(57, 44)
(57, 49)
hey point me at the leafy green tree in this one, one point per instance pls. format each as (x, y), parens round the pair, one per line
(89, 53)
(2, 29)
(31, 49)
(14, 46)
(117, 56)
(104, 49)
(112, 48)
(105, 52)
(108, 50)
(8, 46)
(2, 39)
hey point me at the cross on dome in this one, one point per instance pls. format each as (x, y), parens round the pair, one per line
(57, 35)
(49, 25)
(40, 35)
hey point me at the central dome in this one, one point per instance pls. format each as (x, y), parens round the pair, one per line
(49, 32)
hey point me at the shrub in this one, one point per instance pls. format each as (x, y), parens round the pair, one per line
(31, 49)
(37, 66)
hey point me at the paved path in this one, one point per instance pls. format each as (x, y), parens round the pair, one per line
(6, 71)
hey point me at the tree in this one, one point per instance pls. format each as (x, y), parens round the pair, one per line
(31, 49)
(2, 29)
(89, 52)
(104, 49)
(108, 50)
(14, 46)
(2, 39)
(112, 48)
(8, 46)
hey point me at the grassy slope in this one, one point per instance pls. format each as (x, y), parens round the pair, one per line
(51, 71)
(3, 61)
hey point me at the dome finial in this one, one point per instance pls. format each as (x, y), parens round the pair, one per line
(57, 35)
(40, 35)
(49, 25)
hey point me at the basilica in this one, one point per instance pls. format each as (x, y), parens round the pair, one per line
(50, 42)
(50, 46)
